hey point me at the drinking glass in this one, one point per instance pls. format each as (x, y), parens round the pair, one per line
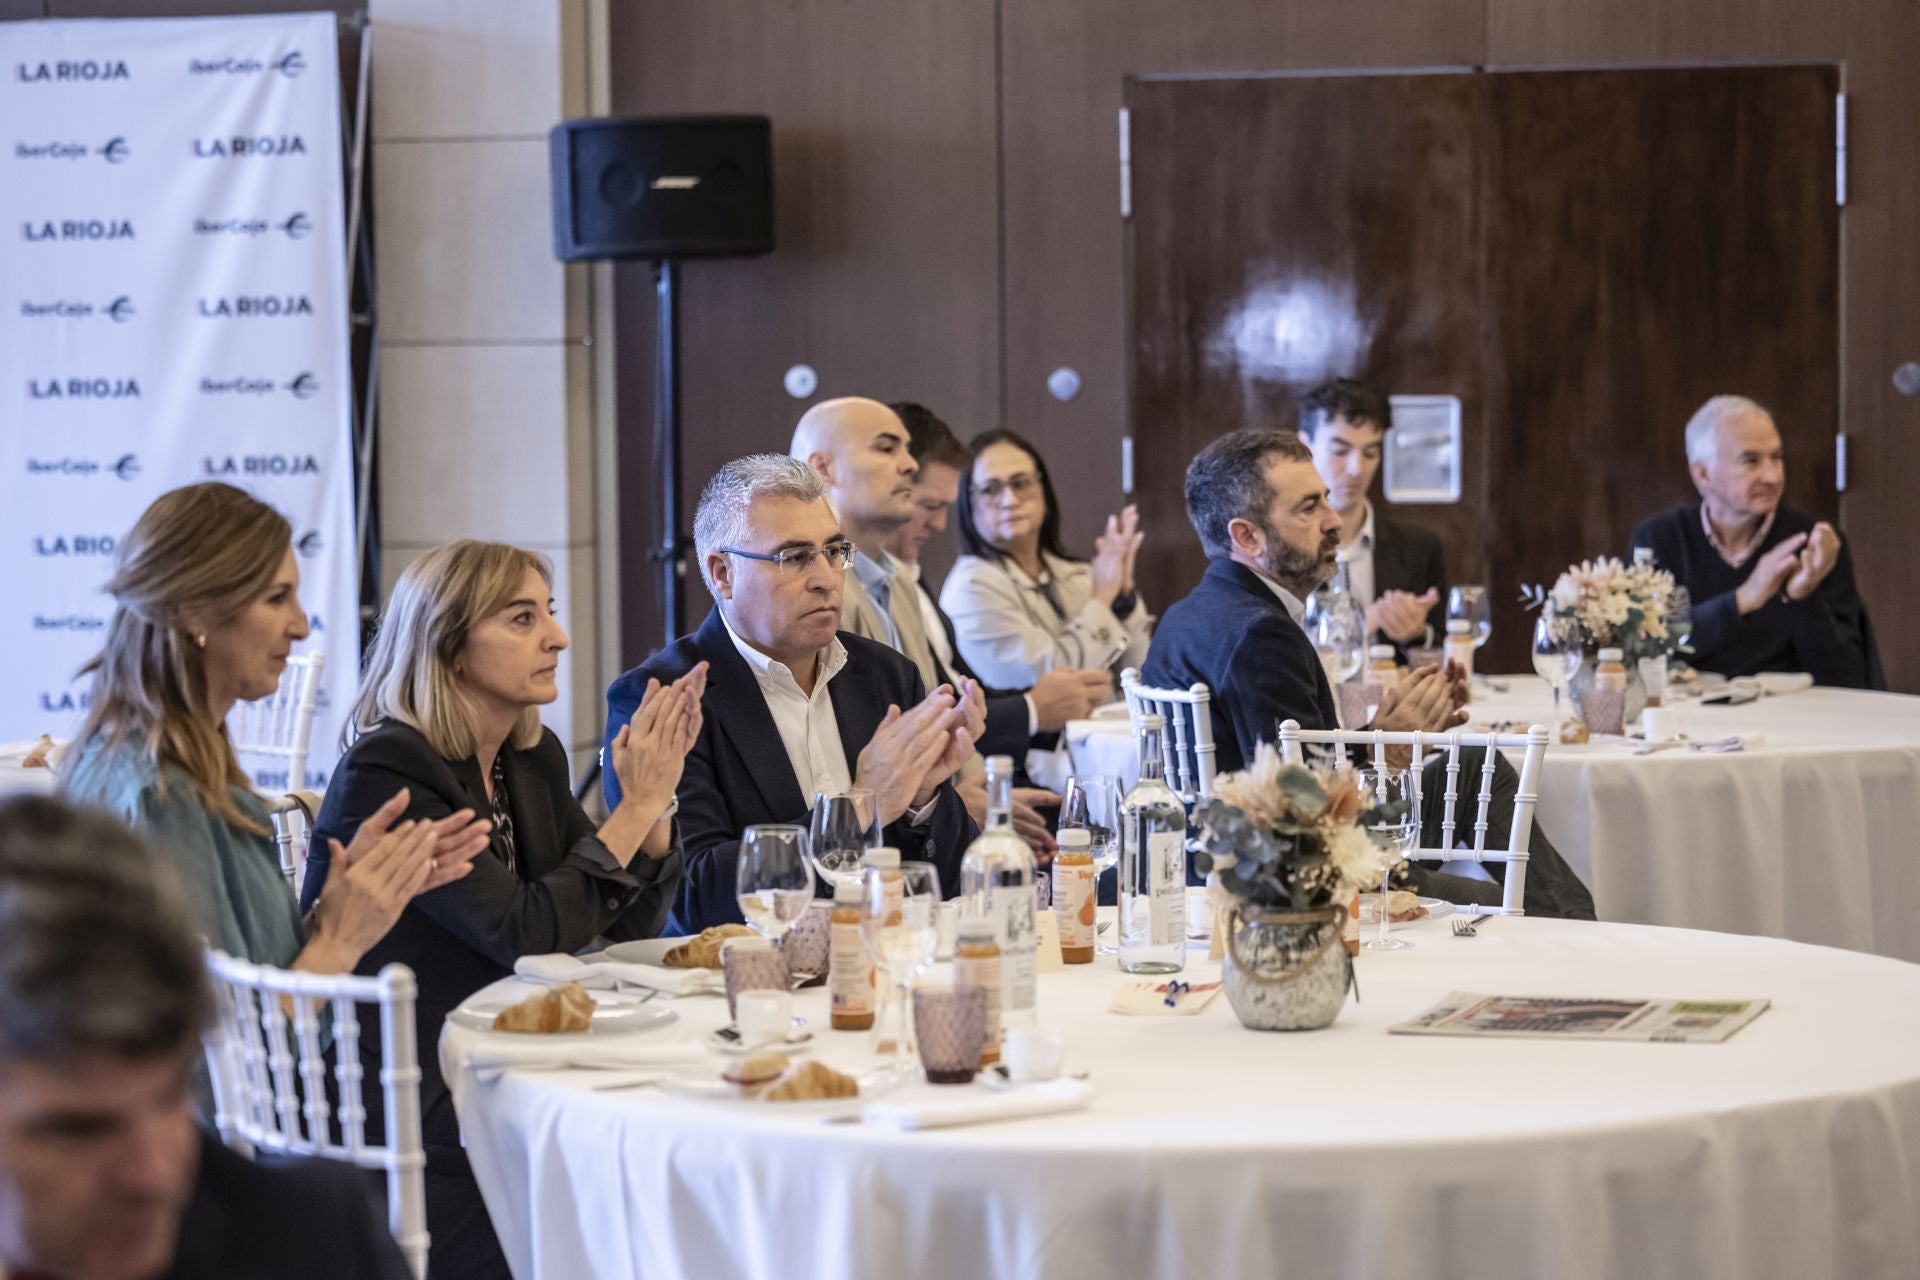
(844, 825)
(900, 936)
(1338, 629)
(1397, 836)
(1555, 658)
(772, 881)
(1470, 604)
(1092, 802)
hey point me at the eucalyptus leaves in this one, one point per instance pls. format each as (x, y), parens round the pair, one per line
(1282, 836)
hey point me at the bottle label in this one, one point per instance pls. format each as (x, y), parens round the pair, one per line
(1013, 908)
(1073, 895)
(982, 971)
(850, 973)
(1167, 880)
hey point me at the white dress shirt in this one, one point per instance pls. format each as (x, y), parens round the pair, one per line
(808, 727)
(1358, 557)
(1296, 607)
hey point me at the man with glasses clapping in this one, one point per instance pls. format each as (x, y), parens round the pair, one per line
(794, 705)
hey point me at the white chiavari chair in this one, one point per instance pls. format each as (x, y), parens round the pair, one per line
(278, 729)
(270, 1077)
(1457, 843)
(1188, 759)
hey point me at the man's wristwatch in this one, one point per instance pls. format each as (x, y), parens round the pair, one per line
(666, 814)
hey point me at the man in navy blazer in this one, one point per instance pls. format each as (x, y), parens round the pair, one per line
(794, 705)
(1271, 535)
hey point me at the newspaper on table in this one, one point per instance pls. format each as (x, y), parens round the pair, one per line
(1466, 1013)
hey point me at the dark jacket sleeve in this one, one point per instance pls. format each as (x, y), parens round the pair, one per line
(491, 908)
(1264, 684)
(1006, 731)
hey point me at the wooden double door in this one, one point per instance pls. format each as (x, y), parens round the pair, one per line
(1582, 257)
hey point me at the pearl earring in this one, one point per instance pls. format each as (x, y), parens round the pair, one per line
(200, 639)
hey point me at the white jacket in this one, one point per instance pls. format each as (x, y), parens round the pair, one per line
(1011, 635)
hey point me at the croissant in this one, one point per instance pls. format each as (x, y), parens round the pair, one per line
(563, 1008)
(812, 1081)
(703, 951)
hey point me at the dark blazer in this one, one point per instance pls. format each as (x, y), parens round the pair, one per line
(464, 935)
(1408, 558)
(1008, 715)
(738, 774)
(1826, 635)
(1233, 635)
(309, 1220)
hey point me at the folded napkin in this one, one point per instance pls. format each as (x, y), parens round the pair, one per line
(612, 975)
(978, 1106)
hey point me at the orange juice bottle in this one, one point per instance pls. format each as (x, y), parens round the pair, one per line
(849, 971)
(976, 963)
(1073, 894)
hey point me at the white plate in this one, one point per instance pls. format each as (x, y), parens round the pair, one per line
(713, 1089)
(1436, 908)
(644, 951)
(612, 1016)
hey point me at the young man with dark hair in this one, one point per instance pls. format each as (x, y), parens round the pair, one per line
(1270, 533)
(1396, 569)
(103, 997)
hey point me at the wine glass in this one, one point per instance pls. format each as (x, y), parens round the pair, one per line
(1092, 802)
(1680, 621)
(1469, 604)
(844, 825)
(897, 927)
(1397, 835)
(773, 881)
(1555, 657)
(1338, 628)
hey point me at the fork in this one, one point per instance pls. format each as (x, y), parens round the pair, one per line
(1468, 926)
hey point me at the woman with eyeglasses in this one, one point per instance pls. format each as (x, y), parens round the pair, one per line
(1021, 604)
(466, 656)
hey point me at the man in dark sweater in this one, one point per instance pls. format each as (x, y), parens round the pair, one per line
(1270, 532)
(1772, 588)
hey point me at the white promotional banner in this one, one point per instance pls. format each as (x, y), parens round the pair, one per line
(173, 309)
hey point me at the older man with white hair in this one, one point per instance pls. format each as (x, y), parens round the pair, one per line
(1772, 588)
(795, 705)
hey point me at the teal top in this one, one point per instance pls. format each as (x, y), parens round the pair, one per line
(246, 904)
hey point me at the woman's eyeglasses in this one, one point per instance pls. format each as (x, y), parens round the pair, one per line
(1019, 486)
(839, 555)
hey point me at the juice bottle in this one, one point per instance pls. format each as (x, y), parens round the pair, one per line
(976, 963)
(849, 972)
(1073, 894)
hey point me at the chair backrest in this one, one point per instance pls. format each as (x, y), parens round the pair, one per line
(270, 1077)
(1187, 714)
(279, 727)
(1454, 835)
(292, 815)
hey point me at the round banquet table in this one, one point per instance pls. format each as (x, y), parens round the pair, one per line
(1808, 832)
(1791, 1150)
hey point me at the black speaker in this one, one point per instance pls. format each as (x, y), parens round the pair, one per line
(662, 187)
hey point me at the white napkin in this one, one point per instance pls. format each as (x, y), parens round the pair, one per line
(611, 975)
(977, 1106)
(1776, 684)
(495, 1053)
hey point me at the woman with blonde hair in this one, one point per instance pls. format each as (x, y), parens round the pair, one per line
(206, 612)
(449, 709)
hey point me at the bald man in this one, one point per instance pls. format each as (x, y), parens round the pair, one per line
(861, 449)
(1772, 588)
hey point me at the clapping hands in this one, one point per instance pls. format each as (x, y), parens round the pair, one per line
(914, 751)
(1401, 616)
(1114, 553)
(1797, 566)
(650, 751)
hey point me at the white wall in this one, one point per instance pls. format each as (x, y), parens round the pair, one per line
(494, 404)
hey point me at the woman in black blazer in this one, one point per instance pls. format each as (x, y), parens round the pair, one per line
(449, 709)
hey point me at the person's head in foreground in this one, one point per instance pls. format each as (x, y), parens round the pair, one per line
(103, 995)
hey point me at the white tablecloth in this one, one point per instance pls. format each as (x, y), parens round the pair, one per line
(1812, 834)
(1210, 1150)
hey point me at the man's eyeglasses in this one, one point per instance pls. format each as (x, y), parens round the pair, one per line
(1019, 486)
(839, 555)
